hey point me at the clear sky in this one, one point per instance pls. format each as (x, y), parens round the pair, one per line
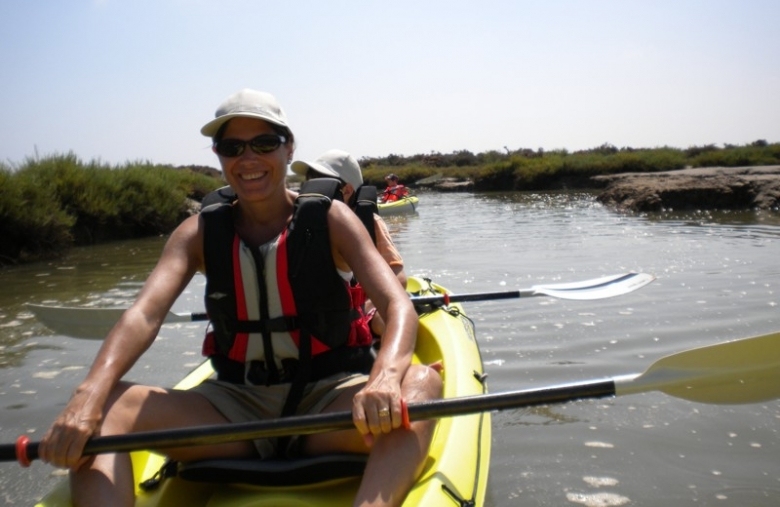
(128, 80)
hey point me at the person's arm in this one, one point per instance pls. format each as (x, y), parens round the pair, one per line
(388, 251)
(126, 342)
(383, 388)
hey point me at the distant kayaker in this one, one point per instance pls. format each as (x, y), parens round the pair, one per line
(285, 336)
(394, 190)
(362, 199)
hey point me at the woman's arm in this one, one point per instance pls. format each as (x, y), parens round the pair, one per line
(128, 339)
(350, 239)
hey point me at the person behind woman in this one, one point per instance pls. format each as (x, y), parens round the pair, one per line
(268, 228)
(343, 166)
(394, 190)
(340, 164)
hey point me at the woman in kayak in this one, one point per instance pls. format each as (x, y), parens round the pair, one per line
(284, 342)
(394, 190)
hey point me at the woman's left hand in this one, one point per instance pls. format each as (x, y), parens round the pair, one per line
(377, 408)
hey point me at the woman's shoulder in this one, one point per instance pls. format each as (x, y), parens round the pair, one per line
(340, 208)
(341, 219)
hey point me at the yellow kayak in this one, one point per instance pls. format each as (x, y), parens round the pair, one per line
(456, 470)
(403, 205)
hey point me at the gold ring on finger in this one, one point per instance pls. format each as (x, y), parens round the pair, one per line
(385, 412)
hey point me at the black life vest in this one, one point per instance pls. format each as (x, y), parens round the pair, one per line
(363, 202)
(314, 323)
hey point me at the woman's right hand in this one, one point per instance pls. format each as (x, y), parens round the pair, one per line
(63, 444)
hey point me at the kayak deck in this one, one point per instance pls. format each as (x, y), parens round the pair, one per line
(452, 473)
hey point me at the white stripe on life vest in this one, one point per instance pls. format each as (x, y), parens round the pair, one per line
(283, 344)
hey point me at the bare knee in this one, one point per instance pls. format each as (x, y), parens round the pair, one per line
(122, 408)
(422, 382)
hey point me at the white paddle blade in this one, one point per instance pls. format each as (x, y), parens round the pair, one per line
(599, 288)
(731, 373)
(87, 323)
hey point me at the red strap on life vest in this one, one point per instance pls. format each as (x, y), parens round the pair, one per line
(360, 329)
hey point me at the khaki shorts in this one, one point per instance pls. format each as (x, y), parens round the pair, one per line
(244, 403)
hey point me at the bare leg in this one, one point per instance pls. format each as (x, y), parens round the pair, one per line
(107, 479)
(397, 457)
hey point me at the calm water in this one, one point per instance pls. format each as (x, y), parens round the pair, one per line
(718, 280)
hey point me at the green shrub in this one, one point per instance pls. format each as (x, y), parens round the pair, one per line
(496, 176)
(32, 223)
(749, 155)
(49, 204)
(527, 169)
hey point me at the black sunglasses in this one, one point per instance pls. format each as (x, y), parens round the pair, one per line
(262, 144)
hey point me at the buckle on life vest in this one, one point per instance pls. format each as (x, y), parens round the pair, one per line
(275, 325)
(259, 375)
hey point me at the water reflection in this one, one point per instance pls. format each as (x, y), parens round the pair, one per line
(101, 276)
(757, 218)
(533, 416)
(15, 349)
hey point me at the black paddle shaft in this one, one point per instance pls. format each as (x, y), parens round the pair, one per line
(462, 298)
(318, 423)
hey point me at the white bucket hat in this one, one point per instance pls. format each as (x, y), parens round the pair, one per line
(333, 163)
(246, 103)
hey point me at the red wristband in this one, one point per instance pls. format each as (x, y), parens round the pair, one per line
(21, 451)
(405, 422)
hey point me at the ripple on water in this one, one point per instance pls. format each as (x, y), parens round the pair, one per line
(598, 499)
(47, 375)
(602, 445)
(598, 482)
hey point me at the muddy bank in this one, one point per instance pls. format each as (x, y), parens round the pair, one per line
(756, 187)
(444, 184)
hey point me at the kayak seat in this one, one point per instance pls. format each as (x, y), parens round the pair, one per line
(275, 472)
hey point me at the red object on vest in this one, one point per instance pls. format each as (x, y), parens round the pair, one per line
(359, 331)
(21, 450)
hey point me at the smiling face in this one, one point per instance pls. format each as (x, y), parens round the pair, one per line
(255, 176)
